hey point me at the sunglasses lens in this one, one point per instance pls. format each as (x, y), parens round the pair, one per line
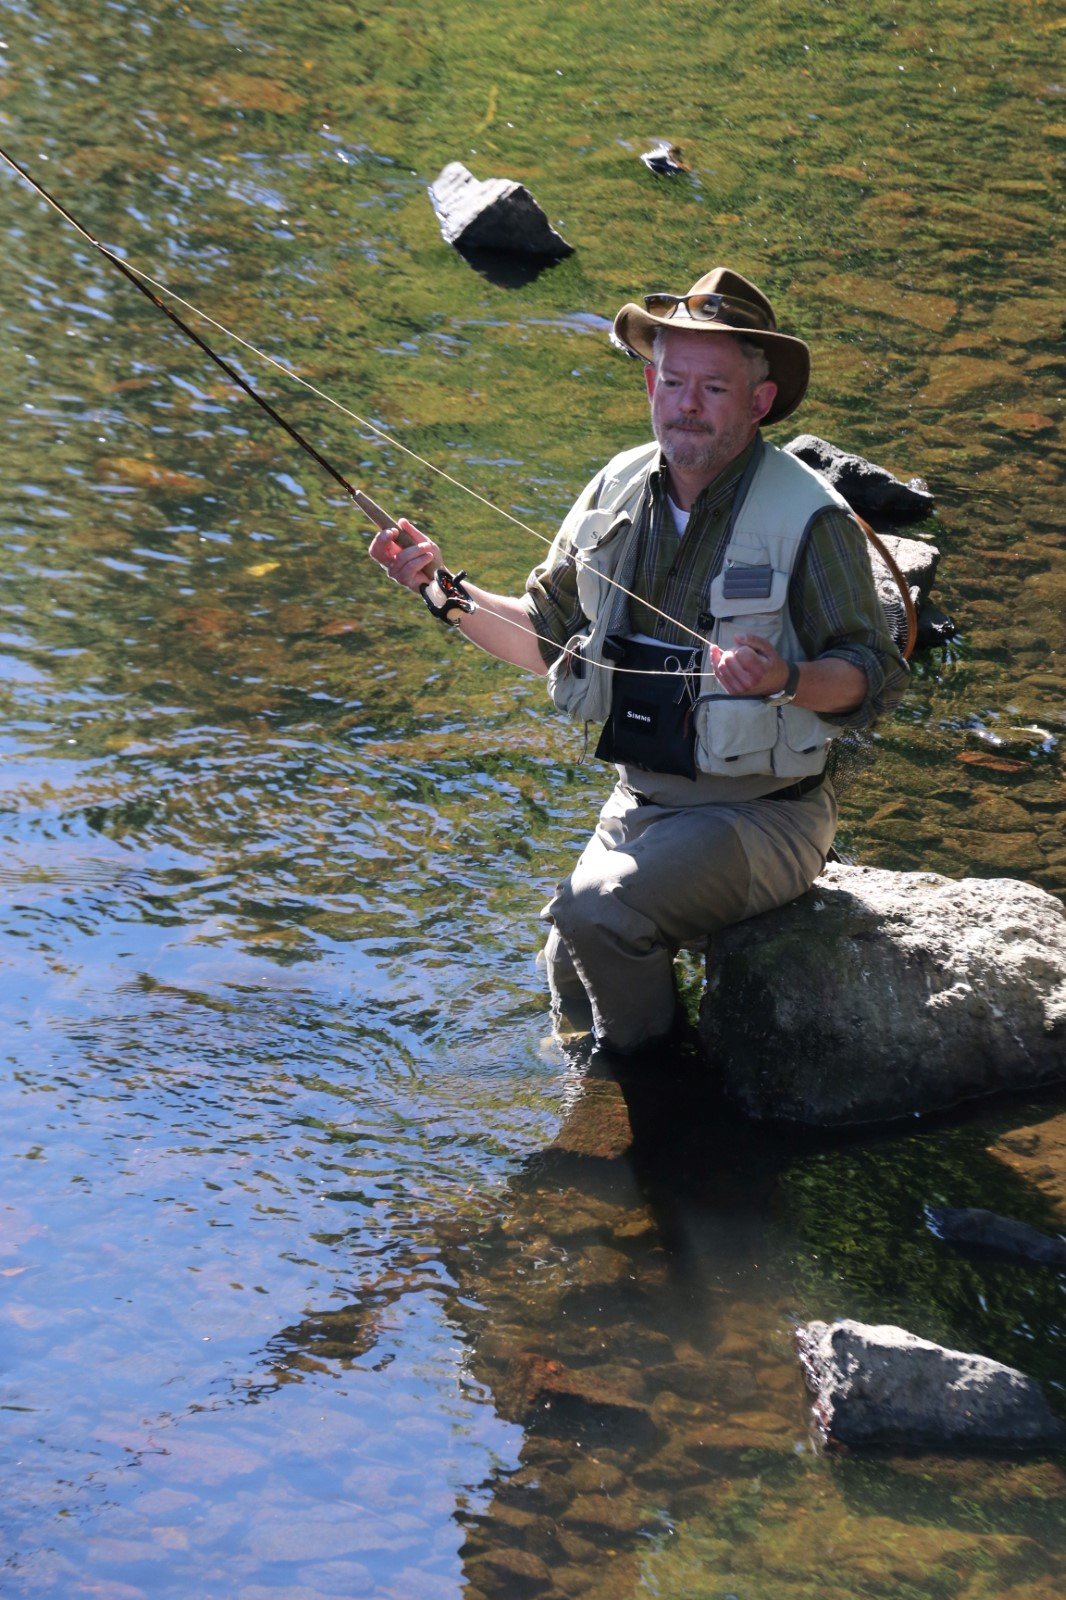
(704, 307)
(661, 305)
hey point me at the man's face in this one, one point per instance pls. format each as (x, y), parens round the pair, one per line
(704, 408)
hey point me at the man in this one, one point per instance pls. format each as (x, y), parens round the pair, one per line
(709, 600)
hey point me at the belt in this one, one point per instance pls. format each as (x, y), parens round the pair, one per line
(793, 792)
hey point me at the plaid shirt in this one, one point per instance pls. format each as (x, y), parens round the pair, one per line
(832, 599)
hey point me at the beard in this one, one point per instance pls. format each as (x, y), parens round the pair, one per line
(696, 448)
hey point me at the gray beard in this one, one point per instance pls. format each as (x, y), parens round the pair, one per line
(693, 452)
(697, 451)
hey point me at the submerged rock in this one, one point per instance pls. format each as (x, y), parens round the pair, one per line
(976, 1229)
(1037, 1153)
(870, 490)
(495, 215)
(884, 1386)
(880, 994)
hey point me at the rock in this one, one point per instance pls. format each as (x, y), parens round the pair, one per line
(536, 1390)
(976, 1229)
(518, 1570)
(498, 214)
(883, 1385)
(915, 558)
(870, 490)
(880, 994)
(666, 160)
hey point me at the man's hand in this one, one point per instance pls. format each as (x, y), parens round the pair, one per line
(410, 565)
(753, 667)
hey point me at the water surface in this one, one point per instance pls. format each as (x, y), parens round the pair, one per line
(304, 1222)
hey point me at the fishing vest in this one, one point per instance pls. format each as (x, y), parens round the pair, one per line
(776, 501)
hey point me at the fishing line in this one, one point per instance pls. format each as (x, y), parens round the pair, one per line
(140, 279)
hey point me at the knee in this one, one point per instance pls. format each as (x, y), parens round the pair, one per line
(577, 908)
(595, 912)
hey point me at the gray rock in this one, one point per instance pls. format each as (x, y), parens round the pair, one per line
(497, 215)
(915, 558)
(975, 1229)
(870, 490)
(883, 1386)
(880, 994)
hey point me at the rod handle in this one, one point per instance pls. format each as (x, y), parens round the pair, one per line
(380, 518)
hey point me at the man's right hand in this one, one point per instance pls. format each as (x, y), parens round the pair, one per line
(410, 565)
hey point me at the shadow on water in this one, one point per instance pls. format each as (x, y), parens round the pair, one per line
(626, 1308)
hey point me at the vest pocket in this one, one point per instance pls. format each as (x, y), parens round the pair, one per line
(804, 743)
(596, 530)
(735, 736)
(748, 599)
(578, 686)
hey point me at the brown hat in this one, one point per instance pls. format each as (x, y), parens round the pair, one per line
(741, 309)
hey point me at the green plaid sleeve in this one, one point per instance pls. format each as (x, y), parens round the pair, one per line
(836, 612)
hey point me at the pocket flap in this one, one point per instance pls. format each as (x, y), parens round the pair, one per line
(598, 528)
(741, 591)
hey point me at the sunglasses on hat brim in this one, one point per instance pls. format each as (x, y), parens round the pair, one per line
(724, 308)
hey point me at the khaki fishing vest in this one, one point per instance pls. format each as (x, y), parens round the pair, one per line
(774, 508)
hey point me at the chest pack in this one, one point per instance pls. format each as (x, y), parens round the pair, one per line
(655, 689)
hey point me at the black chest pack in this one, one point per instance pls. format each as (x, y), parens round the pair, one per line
(651, 723)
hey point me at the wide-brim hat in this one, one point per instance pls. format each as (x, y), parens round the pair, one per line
(743, 310)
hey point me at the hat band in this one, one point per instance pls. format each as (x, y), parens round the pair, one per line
(724, 308)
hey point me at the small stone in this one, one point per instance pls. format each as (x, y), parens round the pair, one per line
(522, 1572)
(542, 1390)
(722, 1444)
(882, 1385)
(596, 1515)
(596, 1477)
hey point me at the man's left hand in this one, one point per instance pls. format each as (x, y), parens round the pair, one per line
(752, 667)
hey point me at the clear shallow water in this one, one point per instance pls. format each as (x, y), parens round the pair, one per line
(295, 1197)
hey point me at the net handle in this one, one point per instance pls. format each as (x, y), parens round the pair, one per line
(901, 584)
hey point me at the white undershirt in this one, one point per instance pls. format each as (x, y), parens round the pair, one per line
(680, 517)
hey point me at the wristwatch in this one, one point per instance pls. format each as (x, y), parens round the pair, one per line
(786, 695)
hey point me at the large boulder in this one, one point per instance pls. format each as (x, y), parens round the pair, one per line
(884, 1386)
(880, 994)
(495, 215)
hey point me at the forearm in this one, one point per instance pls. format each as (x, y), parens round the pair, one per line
(501, 625)
(832, 686)
(828, 684)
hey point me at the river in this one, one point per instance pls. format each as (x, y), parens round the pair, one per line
(300, 1204)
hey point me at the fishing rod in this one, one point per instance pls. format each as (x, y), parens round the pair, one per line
(370, 509)
(381, 519)
(367, 506)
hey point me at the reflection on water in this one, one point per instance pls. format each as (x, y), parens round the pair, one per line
(321, 1274)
